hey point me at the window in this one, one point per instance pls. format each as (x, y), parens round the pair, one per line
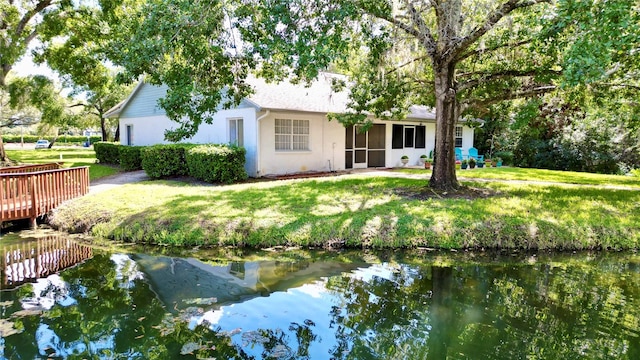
(292, 134)
(458, 136)
(236, 132)
(129, 134)
(408, 136)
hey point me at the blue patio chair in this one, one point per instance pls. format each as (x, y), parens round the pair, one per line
(473, 153)
(458, 154)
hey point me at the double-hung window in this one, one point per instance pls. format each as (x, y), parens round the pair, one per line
(236, 132)
(458, 136)
(292, 135)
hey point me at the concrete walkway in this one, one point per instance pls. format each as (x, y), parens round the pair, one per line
(110, 182)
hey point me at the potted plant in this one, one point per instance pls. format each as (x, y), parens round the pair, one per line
(472, 163)
(427, 163)
(480, 164)
(494, 162)
(422, 159)
(498, 161)
(404, 159)
(464, 163)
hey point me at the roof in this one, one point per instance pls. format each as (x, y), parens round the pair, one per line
(117, 109)
(318, 97)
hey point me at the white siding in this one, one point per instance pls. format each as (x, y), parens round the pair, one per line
(150, 131)
(326, 146)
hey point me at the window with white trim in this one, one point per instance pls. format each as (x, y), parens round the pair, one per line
(292, 134)
(458, 136)
(236, 131)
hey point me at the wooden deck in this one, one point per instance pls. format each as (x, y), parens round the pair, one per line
(28, 192)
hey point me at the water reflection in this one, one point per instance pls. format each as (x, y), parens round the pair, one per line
(342, 306)
(29, 261)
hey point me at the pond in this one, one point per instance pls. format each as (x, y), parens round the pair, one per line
(145, 304)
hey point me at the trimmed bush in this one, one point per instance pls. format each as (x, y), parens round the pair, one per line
(107, 152)
(61, 140)
(130, 158)
(217, 163)
(160, 161)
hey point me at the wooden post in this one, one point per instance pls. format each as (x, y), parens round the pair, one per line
(34, 208)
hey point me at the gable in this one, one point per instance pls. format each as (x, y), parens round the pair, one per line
(145, 102)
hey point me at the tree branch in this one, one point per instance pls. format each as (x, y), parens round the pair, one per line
(492, 19)
(395, 21)
(494, 48)
(405, 64)
(484, 77)
(481, 104)
(41, 5)
(630, 86)
(425, 34)
(540, 90)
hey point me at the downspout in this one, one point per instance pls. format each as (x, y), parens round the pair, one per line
(258, 165)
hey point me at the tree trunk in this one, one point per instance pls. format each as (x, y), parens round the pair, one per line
(4, 159)
(116, 136)
(103, 127)
(444, 170)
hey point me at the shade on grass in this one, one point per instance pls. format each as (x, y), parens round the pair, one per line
(359, 212)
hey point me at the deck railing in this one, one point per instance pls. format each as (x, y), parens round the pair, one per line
(28, 195)
(30, 168)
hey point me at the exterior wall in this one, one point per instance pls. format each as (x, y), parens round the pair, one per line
(393, 155)
(145, 102)
(326, 146)
(150, 131)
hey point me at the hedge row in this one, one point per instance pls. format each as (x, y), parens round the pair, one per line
(107, 152)
(65, 139)
(210, 163)
(217, 163)
(160, 161)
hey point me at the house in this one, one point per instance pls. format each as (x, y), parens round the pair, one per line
(285, 129)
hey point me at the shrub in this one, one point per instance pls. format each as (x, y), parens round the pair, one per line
(61, 140)
(217, 163)
(635, 172)
(160, 161)
(107, 152)
(506, 156)
(130, 158)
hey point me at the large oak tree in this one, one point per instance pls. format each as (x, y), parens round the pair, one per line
(459, 56)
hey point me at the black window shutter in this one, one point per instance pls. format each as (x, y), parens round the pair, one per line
(421, 132)
(396, 139)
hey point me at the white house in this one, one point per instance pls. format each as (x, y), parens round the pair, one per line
(285, 129)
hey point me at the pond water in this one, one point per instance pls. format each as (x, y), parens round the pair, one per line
(141, 304)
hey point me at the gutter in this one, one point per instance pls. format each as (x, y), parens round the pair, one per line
(258, 164)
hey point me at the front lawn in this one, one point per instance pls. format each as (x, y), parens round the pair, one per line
(514, 173)
(70, 157)
(356, 212)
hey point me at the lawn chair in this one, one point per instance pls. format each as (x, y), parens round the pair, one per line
(473, 153)
(458, 154)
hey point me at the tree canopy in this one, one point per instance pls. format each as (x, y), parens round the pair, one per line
(459, 56)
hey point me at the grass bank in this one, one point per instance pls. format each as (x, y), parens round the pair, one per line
(356, 212)
(70, 157)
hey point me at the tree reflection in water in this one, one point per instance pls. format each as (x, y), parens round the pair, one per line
(585, 306)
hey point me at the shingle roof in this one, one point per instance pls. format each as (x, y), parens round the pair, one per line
(316, 97)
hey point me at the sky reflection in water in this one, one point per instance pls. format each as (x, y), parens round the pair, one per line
(342, 306)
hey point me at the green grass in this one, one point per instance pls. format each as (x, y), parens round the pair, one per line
(376, 212)
(70, 157)
(566, 177)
